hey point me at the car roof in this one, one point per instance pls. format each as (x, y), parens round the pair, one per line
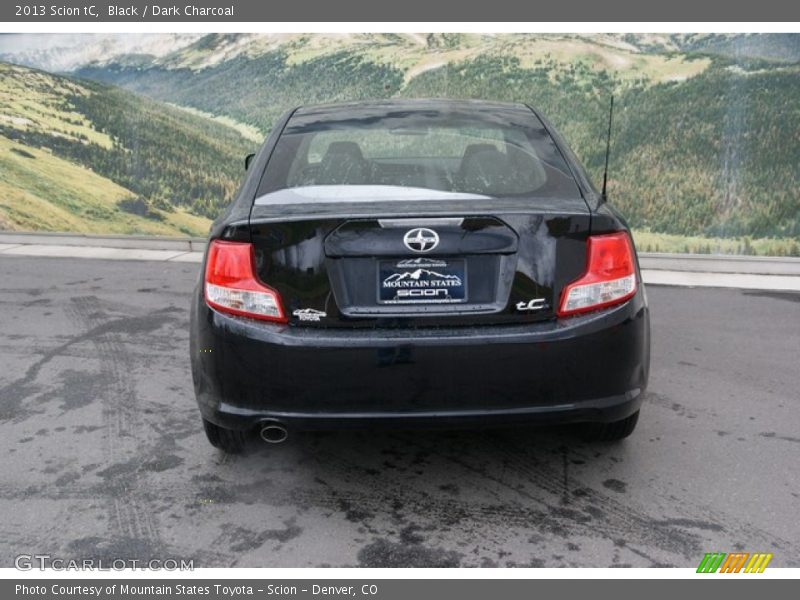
(407, 104)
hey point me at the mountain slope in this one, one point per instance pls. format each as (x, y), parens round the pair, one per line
(717, 154)
(705, 134)
(41, 192)
(780, 47)
(65, 52)
(155, 163)
(255, 77)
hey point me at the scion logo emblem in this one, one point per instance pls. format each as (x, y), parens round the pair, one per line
(421, 239)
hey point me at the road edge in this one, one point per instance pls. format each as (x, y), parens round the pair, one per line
(652, 275)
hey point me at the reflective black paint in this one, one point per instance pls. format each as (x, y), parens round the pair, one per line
(585, 368)
(367, 362)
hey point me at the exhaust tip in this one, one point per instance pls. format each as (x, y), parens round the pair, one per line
(274, 432)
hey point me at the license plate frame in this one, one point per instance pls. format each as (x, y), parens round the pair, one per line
(421, 281)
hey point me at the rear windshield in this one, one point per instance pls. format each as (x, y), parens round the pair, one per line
(475, 152)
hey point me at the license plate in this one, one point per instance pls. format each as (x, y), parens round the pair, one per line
(422, 281)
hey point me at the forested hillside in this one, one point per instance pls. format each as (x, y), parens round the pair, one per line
(160, 163)
(717, 155)
(706, 135)
(258, 90)
(704, 144)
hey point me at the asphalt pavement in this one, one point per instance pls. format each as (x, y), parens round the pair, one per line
(104, 455)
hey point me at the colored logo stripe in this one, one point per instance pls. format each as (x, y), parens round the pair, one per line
(711, 562)
(758, 563)
(734, 563)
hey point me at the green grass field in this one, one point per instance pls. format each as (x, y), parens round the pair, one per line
(41, 192)
(647, 241)
(78, 156)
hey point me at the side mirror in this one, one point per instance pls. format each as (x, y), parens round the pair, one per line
(247, 160)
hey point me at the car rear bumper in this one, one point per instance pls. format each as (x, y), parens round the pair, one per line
(588, 368)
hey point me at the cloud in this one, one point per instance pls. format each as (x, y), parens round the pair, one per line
(67, 51)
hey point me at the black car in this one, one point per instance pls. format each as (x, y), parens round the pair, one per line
(412, 262)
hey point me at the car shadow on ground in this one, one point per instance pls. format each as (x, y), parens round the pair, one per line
(420, 497)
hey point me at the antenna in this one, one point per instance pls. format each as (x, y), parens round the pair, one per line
(603, 196)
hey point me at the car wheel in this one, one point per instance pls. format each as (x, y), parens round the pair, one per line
(227, 440)
(610, 432)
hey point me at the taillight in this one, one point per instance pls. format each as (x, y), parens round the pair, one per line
(232, 286)
(610, 276)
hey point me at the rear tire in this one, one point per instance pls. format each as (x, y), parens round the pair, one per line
(610, 432)
(228, 440)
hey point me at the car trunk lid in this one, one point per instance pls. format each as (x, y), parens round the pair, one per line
(375, 264)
